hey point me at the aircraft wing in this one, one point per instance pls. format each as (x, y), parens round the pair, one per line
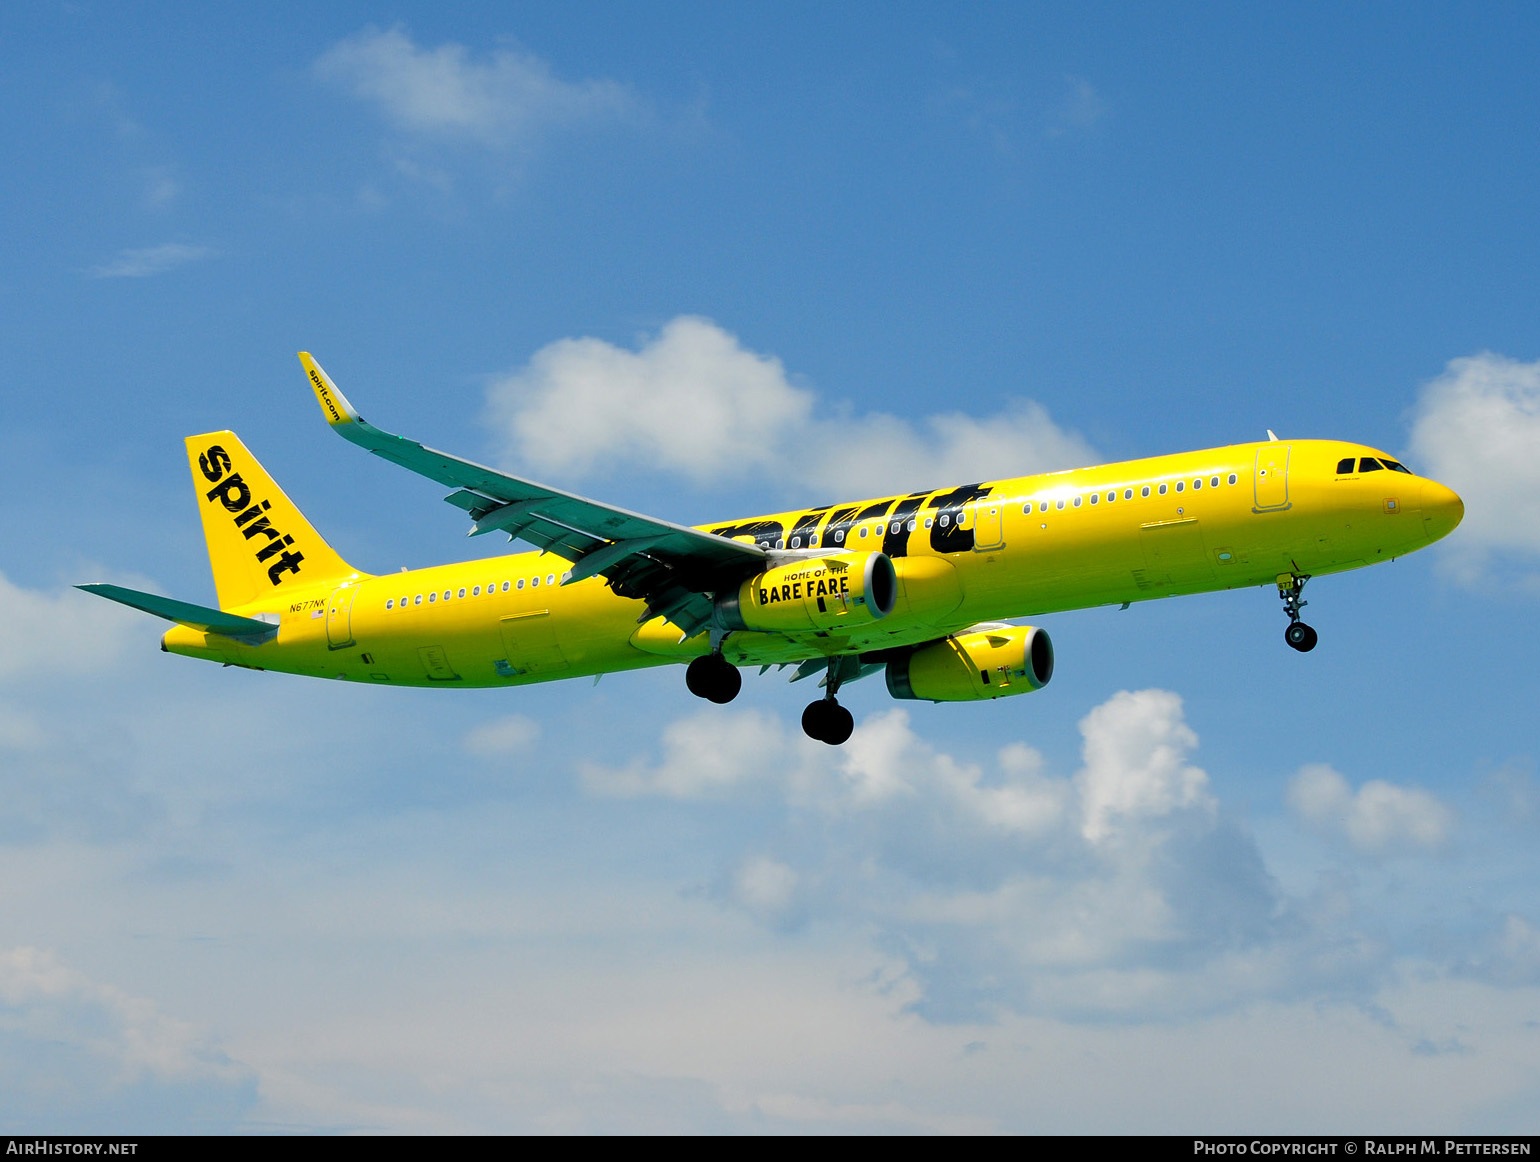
(674, 568)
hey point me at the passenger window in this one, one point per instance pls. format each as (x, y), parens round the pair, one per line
(1344, 466)
(461, 593)
(911, 526)
(1145, 491)
(1095, 496)
(839, 536)
(432, 597)
(446, 595)
(781, 544)
(476, 592)
(1180, 485)
(1232, 478)
(1059, 504)
(1395, 467)
(945, 520)
(505, 587)
(1214, 483)
(1128, 493)
(928, 520)
(863, 528)
(1369, 464)
(1026, 508)
(1111, 496)
(389, 603)
(962, 520)
(1043, 507)
(550, 579)
(813, 541)
(534, 582)
(521, 583)
(1077, 502)
(417, 600)
(1163, 489)
(796, 542)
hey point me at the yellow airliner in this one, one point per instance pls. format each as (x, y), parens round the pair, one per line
(915, 585)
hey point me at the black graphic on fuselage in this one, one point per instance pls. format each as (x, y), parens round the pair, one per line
(805, 527)
(234, 493)
(765, 532)
(895, 540)
(945, 535)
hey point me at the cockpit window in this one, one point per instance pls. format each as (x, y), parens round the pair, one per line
(1345, 466)
(1394, 467)
(1369, 464)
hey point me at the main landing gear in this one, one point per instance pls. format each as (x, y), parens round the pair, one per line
(713, 678)
(1299, 635)
(826, 720)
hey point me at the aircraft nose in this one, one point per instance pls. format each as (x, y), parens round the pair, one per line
(1442, 509)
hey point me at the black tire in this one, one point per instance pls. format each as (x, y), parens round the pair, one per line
(840, 724)
(713, 678)
(815, 719)
(728, 682)
(1301, 637)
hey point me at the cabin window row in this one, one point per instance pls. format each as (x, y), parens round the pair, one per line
(1111, 495)
(875, 529)
(474, 591)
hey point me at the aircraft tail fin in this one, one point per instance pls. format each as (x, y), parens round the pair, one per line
(259, 543)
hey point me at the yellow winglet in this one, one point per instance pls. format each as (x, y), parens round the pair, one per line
(334, 404)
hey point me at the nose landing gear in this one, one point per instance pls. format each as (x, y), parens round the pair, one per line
(1299, 635)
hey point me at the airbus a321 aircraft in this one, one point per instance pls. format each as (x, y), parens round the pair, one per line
(916, 586)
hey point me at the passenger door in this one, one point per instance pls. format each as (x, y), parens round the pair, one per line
(1271, 478)
(339, 617)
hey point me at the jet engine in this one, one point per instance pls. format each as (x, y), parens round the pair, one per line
(818, 593)
(972, 666)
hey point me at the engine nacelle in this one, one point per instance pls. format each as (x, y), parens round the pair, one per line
(819, 593)
(970, 667)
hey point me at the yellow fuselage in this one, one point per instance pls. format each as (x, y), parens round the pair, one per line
(1225, 518)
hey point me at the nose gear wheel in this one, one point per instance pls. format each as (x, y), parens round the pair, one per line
(1298, 635)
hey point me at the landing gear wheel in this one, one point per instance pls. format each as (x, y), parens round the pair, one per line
(827, 721)
(713, 678)
(1300, 636)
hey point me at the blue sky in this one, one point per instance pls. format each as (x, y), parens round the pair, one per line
(1199, 883)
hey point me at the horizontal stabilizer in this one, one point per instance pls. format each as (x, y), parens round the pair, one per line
(185, 613)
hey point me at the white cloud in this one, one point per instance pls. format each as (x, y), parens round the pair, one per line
(693, 401)
(441, 92)
(1476, 428)
(1381, 818)
(1136, 745)
(512, 734)
(62, 632)
(81, 1057)
(708, 756)
(150, 260)
(1116, 890)
(1081, 108)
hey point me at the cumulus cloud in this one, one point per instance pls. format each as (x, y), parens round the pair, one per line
(1381, 818)
(1117, 889)
(693, 401)
(151, 260)
(504, 99)
(1476, 428)
(66, 631)
(78, 1056)
(512, 734)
